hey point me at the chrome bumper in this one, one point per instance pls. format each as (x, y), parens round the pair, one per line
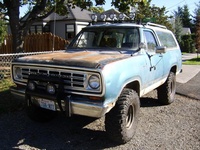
(84, 108)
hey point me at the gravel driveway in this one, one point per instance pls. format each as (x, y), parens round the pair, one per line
(172, 127)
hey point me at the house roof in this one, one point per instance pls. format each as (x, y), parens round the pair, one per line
(112, 11)
(75, 13)
(185, 31)
(80, 14)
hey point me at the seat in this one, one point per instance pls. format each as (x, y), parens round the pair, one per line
(111, 42)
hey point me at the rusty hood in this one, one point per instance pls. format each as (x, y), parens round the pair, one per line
(89, 59)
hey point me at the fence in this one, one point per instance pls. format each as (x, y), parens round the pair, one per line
(6, 47)
(6, 59)
(36, 43)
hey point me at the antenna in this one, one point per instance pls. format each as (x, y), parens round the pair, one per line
(54, 28)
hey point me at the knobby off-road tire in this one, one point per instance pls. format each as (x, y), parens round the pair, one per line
(121, 121)
(166, 92)
(38, 114)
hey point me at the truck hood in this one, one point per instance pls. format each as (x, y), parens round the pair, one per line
(89, 59)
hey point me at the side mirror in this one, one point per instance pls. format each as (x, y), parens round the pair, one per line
(142, 45)
(160, 49)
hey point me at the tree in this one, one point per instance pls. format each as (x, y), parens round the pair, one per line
(198, 33)
(146, 12)
(41, 9)
(197, 26)
(177, 24)
(96, 9)
(186, 20)
(178, 28)
(2, 29)
(196, 12)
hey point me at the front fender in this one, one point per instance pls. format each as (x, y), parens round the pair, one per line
(118, 74)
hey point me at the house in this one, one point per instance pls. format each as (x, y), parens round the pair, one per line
(185, 31)
(66, 26)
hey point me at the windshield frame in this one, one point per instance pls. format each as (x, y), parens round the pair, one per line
(103, 32)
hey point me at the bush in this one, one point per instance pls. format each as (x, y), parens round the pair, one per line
(187, 43)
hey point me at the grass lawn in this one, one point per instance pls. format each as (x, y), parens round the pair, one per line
(194, 61)
(7, 102)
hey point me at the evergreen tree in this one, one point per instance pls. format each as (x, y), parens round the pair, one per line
(186, 20)
(178, 28)
(197, 25)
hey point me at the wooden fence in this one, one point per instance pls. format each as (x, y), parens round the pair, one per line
(36, 43)
(6, 47)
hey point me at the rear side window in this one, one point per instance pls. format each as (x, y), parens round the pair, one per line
(166, 39)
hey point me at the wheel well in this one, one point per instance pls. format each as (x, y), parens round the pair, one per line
(173, 69)
(134, 86)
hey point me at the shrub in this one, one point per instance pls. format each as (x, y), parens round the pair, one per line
(187, 43)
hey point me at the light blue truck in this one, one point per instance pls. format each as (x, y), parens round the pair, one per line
(104, 71)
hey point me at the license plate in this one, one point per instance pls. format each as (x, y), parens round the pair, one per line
(47, 104)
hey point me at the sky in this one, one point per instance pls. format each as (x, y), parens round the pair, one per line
(170, 5)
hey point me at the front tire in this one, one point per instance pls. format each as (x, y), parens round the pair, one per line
(121, 121)
(166, 92)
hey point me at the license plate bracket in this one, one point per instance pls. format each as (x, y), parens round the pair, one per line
(46, 104)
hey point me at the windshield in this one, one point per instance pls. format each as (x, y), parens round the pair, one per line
(118, 38)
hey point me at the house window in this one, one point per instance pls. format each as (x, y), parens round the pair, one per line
(39, 29)
(32, 29)
(46, 28)
(69, 31)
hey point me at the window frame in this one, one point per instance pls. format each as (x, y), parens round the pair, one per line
(155, 39)
(70, 32)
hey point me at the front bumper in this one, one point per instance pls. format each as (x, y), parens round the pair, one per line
(83, 107)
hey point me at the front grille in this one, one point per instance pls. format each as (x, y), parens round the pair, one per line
(74, 81)
(70, 78)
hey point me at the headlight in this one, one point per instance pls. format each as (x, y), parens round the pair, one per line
(51, 89)
(94, 82)
(18, 73)
(31, 85)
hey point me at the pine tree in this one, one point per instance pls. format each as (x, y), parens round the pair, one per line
(197, 26)
(185, 17)
(178, 28)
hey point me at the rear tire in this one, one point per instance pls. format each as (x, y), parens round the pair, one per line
(121, 121)
(166, 92)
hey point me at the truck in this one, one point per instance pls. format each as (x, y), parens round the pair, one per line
(104, 71)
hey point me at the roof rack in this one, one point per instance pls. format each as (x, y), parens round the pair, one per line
(155, 25)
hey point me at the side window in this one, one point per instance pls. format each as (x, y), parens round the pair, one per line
(166, 39)
(150, 40)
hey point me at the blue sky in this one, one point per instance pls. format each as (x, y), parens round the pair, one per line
(170, 5)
